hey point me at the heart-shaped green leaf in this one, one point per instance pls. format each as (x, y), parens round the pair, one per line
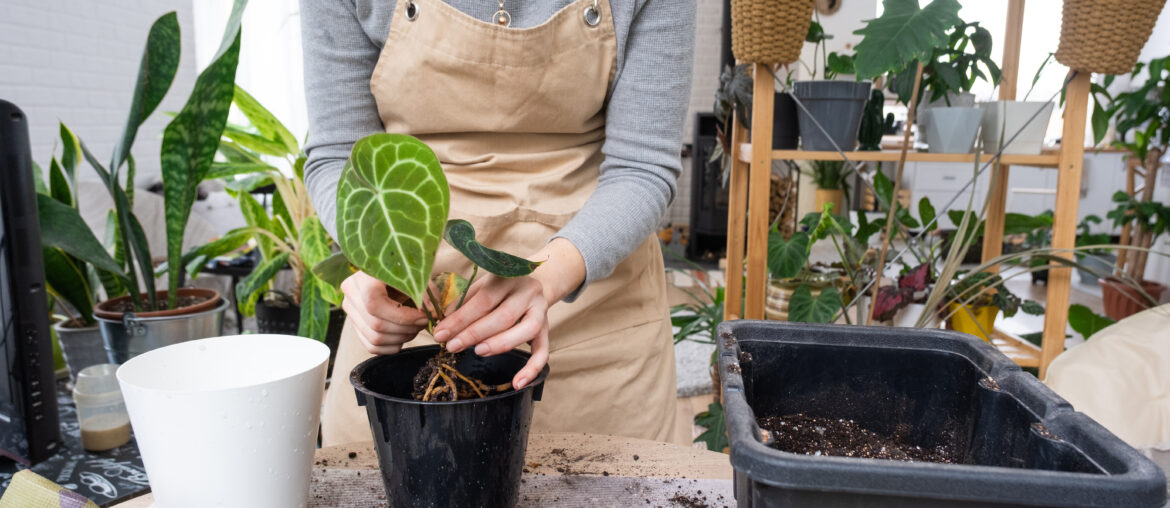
(461, 235)
(786, 258)
(392, 204)
(803, 308)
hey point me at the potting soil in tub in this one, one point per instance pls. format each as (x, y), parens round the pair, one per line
(840, 437)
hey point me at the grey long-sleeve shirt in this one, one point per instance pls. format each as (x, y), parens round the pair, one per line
(644, 117)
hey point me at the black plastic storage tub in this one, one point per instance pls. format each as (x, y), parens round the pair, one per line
(1020, 443)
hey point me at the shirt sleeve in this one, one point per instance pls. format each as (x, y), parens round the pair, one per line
(339, 58)
(644, 123)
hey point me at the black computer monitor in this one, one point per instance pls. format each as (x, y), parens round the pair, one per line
(29, 428)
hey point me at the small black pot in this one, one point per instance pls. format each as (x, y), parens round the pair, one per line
(837, 106)
(462, 453)
(785, 127)
(277, 319)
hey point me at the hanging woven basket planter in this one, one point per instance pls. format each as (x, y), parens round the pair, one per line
(769, 31)
(1105, 36)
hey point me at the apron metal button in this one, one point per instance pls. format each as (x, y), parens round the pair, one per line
(592, 15)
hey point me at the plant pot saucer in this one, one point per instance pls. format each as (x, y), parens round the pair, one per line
(211, 299)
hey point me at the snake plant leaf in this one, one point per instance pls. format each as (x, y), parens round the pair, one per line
(314, 309)
(333, 270)
(70, 154)
(786, 258)
(264, 121)
(63, 228)
(315, 247)
(59, 186)
(191, 140)
(251, 286)
(67, 279)
(160, 60)
(392, 204)
(130, 235)
(803, 308)
(112, 284)
(461, 235)
(902, 34)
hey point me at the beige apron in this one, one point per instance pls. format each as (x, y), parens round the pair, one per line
(517, 118)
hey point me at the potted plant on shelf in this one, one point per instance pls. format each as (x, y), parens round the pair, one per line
(1097, 262)
(946, 114)
(453, 393)
(977, 298)
(830, 179)
(831, 116)
(74, 282)
(1142, 119)
(141, 321)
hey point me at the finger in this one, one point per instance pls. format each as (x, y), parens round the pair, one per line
(503, 317)
(474, 308)
(379, 305)
(536, 362)
(527, 330)
(374, 342)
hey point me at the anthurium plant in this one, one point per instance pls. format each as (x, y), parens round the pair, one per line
(392, 207)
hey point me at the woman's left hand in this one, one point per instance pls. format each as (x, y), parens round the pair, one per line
(498, 315)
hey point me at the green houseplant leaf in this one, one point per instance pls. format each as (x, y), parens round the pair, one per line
(191, 140)
(902, 34)
(333, 270)
(160, 60)
(315, 248)
(787, 258)
(264, 121)
(250, 287)
(461, 235)
(1085, 321)
(392, 204)
(716, 434)
(314, 309)
(68, 280)
(803, 308)
(63, 228)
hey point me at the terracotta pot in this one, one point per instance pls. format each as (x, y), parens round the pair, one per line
(835, 196)
(105, 309)
(1122, 301)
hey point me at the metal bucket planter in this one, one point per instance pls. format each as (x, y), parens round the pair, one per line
(129, 334)
(81, 347)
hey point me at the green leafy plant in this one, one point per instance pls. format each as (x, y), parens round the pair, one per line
(984, 289)
(903, 34)
(1086, 237)
(873, 124)
(734, 96)
(951, 68)
(1142, 115)
(829, 175)
(73, 277)
(291, 235)
(713, 420)
(1086, 322)
(392, 206)
(1151, 220)
(188, 146)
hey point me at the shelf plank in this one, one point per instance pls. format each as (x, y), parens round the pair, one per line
(1024, 353)
(1046, 159)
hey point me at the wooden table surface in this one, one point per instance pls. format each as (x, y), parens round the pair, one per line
(563, 470)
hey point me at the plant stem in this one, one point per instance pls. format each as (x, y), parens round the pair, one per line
(474, 271)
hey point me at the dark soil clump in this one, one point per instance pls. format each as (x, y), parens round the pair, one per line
(439, 381)
(808, 435)
(128, 305)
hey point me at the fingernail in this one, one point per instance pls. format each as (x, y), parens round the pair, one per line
(482, 349)
(420, 322)
(455, 345)
(440, 335)
(521, 383)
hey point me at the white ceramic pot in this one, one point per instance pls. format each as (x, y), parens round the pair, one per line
(227, 421)
(922, 119)
(1014, 122)
(953, 130)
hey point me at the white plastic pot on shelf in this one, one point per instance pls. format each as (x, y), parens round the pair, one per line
(953, 129)
(1013, 122)
(227, 421)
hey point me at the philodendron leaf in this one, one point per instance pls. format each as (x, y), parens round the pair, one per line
(786, 258)
(803, 308)
(904, 33)
(392, 203)
(461, 235)
(333, 270)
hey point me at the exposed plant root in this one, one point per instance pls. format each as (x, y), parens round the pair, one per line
(440, 380)
(474, 384)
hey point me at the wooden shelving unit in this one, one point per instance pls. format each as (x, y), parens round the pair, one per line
(749, 186)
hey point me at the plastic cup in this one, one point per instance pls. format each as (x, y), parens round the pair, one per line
(228, 421)
(100, 410)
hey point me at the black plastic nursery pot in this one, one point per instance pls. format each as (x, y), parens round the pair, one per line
(785, 127)
(837, 106)
(1017, 442)
(462, 453)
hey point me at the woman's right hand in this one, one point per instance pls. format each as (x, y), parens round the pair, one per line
(382, 324)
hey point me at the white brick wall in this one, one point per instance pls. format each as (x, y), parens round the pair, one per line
(76, 61)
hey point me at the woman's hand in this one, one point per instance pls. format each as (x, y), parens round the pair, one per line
(382, 324)
(500, 314)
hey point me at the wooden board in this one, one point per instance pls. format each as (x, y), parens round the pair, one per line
(759, 188)
(1045, 159)
(563, 470)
